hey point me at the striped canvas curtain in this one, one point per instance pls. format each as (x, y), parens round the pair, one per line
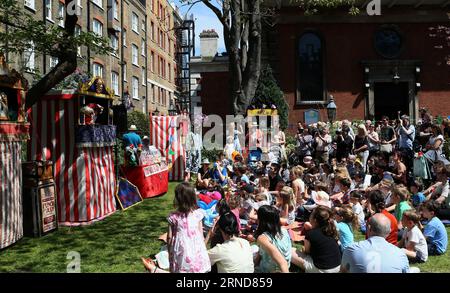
(84, 176)
(11, 222)
(166, 137)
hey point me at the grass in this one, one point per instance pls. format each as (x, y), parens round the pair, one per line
(117, 243)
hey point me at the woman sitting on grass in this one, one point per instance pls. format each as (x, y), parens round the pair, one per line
(321, 252)
(274, 242)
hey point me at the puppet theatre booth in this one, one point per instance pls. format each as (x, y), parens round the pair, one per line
(13, 131)
(166, 135)
(75, 130)
(151, 176)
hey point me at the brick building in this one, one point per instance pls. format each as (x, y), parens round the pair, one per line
(143, 35)
(371, 65)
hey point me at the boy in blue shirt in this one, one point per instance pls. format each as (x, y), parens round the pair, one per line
(417, 197)
(434, 231)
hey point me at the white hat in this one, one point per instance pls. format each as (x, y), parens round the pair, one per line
(132, 127)
(321, 198)
(146, 138)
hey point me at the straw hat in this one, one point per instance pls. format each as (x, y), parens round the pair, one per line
(205, 162)
(132, 128)
(321, 198)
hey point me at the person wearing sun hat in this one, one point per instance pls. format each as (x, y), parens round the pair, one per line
(131, 137)
(204, 175)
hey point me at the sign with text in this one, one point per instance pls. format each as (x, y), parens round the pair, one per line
(48, 210)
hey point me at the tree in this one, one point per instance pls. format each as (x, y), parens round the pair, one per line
(268, 92)
(242, 32)
(20, 30)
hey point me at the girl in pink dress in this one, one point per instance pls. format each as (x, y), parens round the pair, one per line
(186, 244)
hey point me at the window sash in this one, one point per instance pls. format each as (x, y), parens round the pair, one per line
(61, 14)
(134, 52)
(98, 27)
(135, 22)
(97, 70)
(115, 82)
(98, 2)
(30, 4)
(135, 88)
(48, 9)
(29, 57)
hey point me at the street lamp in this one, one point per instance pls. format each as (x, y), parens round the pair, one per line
(331, 109)
(172, 110)
(156, 112)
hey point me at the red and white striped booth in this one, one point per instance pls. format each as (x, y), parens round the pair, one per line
(80, 144)
(13, 131)
(165, 135)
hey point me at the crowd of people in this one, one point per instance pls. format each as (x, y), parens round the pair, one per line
(334, 185)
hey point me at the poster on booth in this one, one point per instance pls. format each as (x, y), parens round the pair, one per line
(47, 196)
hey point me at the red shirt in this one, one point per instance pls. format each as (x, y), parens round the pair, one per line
(392, 237)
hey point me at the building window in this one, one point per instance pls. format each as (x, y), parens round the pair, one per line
(97, 27)
(124, 38)
(97, 70)
(135, 22)
(30, 4)
(170, 73)
(152, 30)
(310, 71)
(115, 9)
(143, 76)
(134, 54)
(143, 47)
(153, 6)
(77, 33)
(53, 62)
(152, 61)
(61, 14)
(98, 3)
(114, 44)
(48, 9)
(161, 39)
(124, 72)
(28, 58)
(153, 93)
(143, 25)
(135, 85)
(115, 82)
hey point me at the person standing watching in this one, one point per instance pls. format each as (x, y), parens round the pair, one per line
(131, 137)
(387, 136)
(407, 134)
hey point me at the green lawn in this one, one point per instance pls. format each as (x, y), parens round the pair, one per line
(116, 243)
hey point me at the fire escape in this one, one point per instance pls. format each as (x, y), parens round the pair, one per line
(185, 50)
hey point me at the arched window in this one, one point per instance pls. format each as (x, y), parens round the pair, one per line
(310, 69)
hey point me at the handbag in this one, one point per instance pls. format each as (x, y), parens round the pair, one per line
(386, 148)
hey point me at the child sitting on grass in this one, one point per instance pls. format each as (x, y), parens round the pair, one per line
(434, 231)
(413, 242)
(400, 195)
(417, 197)
(286, 205)
(358, 210)
(346, 222)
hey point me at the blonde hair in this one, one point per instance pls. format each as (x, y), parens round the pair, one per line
(287, 197)
(341, 172)
(260, 197)
(297, 171)
(401, 191)
(363, 128)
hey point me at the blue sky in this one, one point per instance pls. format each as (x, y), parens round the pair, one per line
(204, 19)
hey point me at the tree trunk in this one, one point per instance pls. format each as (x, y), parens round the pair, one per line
(67, 63)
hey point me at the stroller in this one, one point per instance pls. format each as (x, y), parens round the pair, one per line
(253, 158)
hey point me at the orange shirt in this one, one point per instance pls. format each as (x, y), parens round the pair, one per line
(392, 237)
